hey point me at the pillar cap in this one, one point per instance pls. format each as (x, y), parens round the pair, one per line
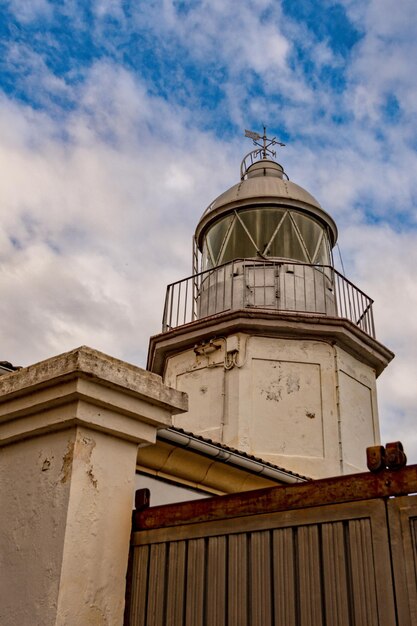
(89, 388)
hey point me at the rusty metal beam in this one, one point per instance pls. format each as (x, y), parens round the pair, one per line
(354, 487)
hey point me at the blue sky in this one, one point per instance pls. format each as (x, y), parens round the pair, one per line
(121, 121)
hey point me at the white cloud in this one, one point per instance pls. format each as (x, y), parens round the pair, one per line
(112, 8)
(384, 265)
(93, 228)
(384, 60)
(26, 12)
(33, 74)
(241, 40)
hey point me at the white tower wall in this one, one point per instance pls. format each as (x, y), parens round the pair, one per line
(274, 347)
(303, 404)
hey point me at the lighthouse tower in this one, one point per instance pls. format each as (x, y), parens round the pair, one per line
(274, 347)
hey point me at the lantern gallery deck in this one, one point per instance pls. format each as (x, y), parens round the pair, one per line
(274, 285)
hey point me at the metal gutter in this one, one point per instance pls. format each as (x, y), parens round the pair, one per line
(7, 369)
(228, 456)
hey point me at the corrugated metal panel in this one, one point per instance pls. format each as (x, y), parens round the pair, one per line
(260, 578)
(195, 588)
(308, 591)
(139, 586)
(176, 583)
(156, 581)
(283, 577)
(363, 573)
(335, 573)
(216, 582)
(322, 566)
(402, 514)
(237, 595)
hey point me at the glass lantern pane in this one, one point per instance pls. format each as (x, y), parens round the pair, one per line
(286, 243)
(310, 231)
(322, 256)
(207, 260)
(216, 235)
(238, 246)
(261, 223)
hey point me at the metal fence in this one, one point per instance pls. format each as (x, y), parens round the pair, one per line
(273, 285)
(333, 552)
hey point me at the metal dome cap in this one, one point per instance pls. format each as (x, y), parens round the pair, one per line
(263, 183)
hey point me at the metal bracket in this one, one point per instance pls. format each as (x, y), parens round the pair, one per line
(392, 457)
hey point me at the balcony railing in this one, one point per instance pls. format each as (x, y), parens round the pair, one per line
(272, 285)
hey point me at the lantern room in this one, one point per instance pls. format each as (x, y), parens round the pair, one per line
(264, 216)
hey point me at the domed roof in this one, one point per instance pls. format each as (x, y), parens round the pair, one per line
(261, 188)
(264, 185)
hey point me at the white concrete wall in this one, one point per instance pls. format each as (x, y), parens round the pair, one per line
(359, 422)
(31, 530)
(69, 433)
(303, 404)
(65, 532)
(97, 529)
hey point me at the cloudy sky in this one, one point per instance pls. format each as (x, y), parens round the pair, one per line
(120, 121)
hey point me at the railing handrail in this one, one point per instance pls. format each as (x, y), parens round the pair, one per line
(272, 262)
(347, 302)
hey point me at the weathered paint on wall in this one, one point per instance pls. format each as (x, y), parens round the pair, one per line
(304, 404)
(69, 432)
(358, 408)
(35, 490)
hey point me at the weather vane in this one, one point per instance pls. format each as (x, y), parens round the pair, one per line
(265, 146)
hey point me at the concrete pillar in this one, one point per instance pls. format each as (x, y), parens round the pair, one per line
(69, 432)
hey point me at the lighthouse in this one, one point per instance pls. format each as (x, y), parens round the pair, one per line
(275, 348)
